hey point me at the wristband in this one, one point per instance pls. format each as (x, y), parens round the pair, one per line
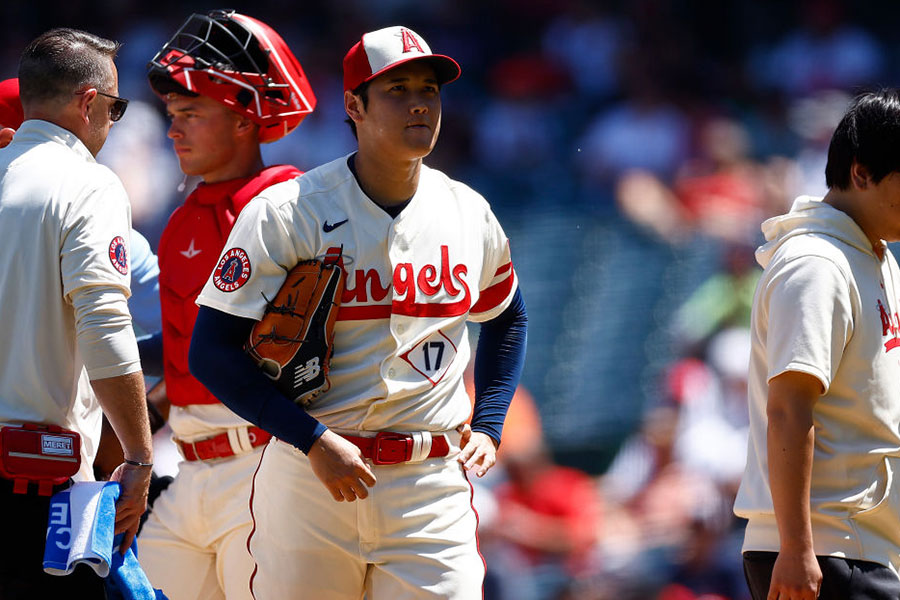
(135, 463)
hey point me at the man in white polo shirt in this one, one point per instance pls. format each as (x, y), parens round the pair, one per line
(63, 306)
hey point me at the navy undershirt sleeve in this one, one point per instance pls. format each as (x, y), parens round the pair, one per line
(217, 359)
(499, 359)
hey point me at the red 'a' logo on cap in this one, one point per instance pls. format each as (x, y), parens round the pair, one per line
(410, 41)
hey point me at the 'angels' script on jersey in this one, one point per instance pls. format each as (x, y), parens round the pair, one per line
(890, 325)
(411, 286)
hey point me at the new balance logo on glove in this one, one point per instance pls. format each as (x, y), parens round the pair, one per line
(308, 372)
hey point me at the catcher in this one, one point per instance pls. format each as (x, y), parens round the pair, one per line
(229, 83)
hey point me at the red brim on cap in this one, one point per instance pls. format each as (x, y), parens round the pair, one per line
(11, 114)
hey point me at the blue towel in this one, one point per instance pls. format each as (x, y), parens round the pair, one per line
(127, 580)
(81, 529)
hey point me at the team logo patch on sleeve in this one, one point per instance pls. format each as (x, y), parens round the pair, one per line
(233, 270)
(118, 254)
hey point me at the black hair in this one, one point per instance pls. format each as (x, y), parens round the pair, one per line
(59, 61)
(362, 90)
(869, 134)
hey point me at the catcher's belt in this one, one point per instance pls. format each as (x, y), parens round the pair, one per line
(237, 440)
(390, 448)
(34, 453)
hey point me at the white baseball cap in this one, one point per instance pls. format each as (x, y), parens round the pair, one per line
(379, 51)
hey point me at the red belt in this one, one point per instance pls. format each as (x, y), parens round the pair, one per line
(388, 448)
(219, 446)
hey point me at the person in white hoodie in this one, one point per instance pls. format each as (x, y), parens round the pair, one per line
(821, 488)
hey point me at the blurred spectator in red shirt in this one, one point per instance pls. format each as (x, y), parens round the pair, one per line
(544, 518)
(549, 515)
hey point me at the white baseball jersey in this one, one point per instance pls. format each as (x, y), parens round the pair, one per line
(65, 221)
(400, 351)
(412, 283)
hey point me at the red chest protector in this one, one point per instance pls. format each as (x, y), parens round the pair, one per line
(189, 247)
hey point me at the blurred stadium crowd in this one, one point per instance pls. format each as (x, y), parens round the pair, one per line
(631, 150)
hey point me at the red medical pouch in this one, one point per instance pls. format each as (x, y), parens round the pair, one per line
(45, 454)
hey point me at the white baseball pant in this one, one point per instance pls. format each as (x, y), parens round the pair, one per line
(194, 544)
(413, 538)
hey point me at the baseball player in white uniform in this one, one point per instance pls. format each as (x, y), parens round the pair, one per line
(63, 302)
(423, 255)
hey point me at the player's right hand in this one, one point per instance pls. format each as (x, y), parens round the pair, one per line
(132, 502)
(340, 466)
(795, 576)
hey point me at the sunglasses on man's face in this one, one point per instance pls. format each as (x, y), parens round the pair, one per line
(116, 109)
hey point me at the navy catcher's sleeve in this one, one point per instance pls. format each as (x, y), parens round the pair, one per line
(217, 359)
(499, 359)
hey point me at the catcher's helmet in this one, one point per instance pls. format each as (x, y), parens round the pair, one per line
(239, 62)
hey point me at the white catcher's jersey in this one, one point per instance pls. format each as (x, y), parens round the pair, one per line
(412, 283)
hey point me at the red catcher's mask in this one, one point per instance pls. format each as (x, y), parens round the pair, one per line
(239, 62)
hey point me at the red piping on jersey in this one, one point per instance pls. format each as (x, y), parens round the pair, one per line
(503, 269)
(497, 293)
(363, 313)
(415, 309)
(189, 248)
(384, 311)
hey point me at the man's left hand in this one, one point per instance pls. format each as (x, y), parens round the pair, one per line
(479, 451)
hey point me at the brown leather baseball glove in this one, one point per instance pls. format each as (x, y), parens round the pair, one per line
(293, 341)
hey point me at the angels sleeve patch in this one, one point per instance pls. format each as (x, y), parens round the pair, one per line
(233, 270)
(118, 254)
